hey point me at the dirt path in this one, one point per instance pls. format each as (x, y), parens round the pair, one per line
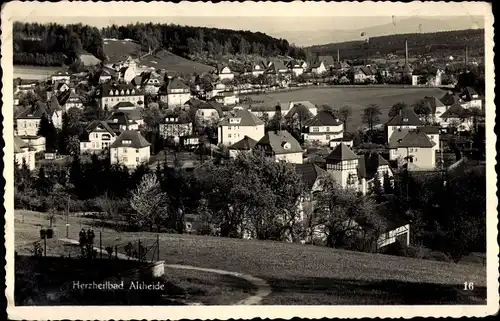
(263, 288)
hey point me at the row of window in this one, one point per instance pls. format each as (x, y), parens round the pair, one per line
(316, 129)
(119, 99)
(122, 92)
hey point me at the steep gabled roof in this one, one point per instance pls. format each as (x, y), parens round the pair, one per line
(432, 102)
(405, 117)
(132, 114)
(137, 140)
(99, 126)
(246, 143)
(369, 163)
(455, 111)
(469, 94)
(124, 104)
(247, 119)
(324, 118)
(450, 99)
(415, 139)
(341, 153)
(328, 60)
(119, 118)
(36, 111)
(277, 141)
(309, 173)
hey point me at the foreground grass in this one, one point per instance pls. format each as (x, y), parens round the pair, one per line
(304, 274)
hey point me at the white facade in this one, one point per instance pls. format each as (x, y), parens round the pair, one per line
(97, 141)
(324, 134)
(319, 70)
(176, 97)
(257, 70)
(57, 118)
(345, 172)
(129, 156)
(28, 126)
(391, 236)
(297, 71)
(229, 135)
(27, 156)
(63, 77)
(110, 101)
(423, 157)
(37, 143)
(207, 114)
(226, 74)
(294, 158)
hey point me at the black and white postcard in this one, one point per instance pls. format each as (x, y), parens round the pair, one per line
(241, 160)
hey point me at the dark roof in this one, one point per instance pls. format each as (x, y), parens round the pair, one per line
(35, 111)
(432, 102)
(117, 89)
(450, 99)
(366, 70)
(324, 118)
(455, 111)
(309, 173)
(277, 65)
(132, 114)
(468, 94)
(246, 143)
(247, 118)
(369, 163)
(99, 126)
(342, 152)
(124, 104)
(137, 140)
(415, 139)
(275, 142)
(405, 117)
(176, 83)
(430, 130)
(120, 118)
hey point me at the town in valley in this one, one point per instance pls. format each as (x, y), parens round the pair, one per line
(336, 173)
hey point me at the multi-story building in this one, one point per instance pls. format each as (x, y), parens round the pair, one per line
(69, 99)
(175, 93)
(110, 95)
(416, 151)
(238, 124)
(323, 128)
(281, 146)
(130, 149)
(225, 72)
(405, 119)
(471, 98)
(98, 136)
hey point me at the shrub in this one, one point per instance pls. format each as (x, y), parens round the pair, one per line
(50, 233)
(37, 250)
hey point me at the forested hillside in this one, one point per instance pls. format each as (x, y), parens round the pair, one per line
(184, 40)
(54, 44)
(439, 44)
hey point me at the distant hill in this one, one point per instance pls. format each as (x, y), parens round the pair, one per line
(401, 25)
(438, 44)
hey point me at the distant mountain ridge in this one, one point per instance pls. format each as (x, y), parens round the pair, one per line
(437, 45)
(402, 26)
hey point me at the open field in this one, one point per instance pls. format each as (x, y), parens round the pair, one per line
(302, 274)
(356, 98)
(34, 72)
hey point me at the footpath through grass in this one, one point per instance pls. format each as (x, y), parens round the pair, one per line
(305, 274)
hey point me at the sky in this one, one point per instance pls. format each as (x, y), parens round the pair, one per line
(296, 20)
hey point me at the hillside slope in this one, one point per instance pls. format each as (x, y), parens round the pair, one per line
(438, 44)
(117, 50)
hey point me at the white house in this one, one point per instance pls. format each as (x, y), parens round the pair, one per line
(28, 121)
(130, 149)
(97, 137)
(471, 98)
(281, 146)
(343, 164)
(172, 126)
(406, 119)
(245, 145)
(176, 93)
(323, 128)
(433, 133)
(129, 72)
(363, 74)
(61, 76)
(416, 149)
(225, 72)
(297, 67)
(436, 107)
(110, 95)
(456, 116)
(258, 69)
(226, 98)
(23, 153)
(238, 124)
(318, 67)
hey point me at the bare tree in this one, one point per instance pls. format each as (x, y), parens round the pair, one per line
(344, 114)
(149, 202)
(371, 115)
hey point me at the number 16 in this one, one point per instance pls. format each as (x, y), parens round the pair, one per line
(468, 286)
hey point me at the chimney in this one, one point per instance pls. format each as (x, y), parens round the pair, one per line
(406, 52)
(338, 55)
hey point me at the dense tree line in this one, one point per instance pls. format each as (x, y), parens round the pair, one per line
(437, 44)
(184, 40)
(54, 44)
